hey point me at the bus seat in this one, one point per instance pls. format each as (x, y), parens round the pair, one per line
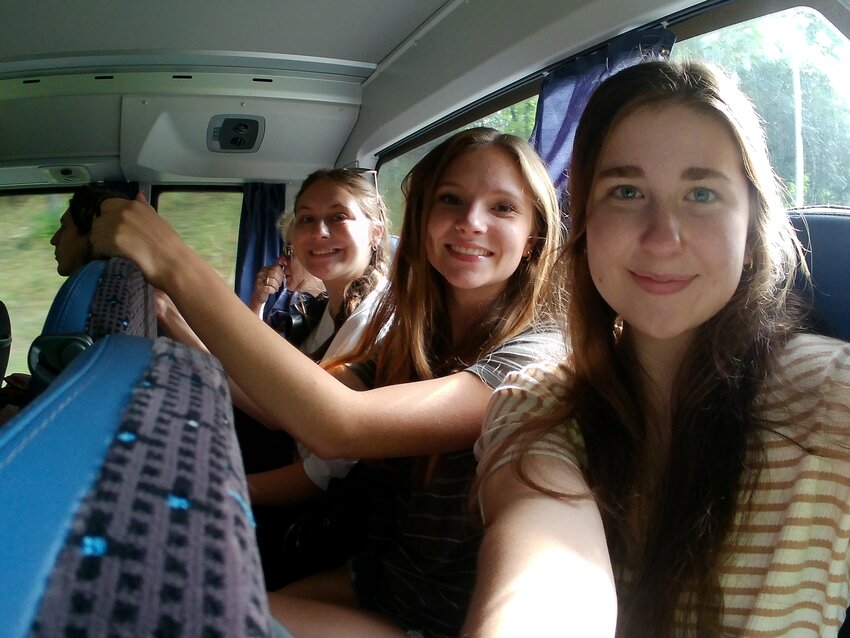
(5, 339)
(70, 307)
(825, 234)
(104, 297)
(123, 502)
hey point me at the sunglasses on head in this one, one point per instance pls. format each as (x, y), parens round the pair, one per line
(369, 174)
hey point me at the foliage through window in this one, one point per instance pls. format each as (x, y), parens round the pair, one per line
(517, 119)
(30, 281)
(793, 65)
(208, 221)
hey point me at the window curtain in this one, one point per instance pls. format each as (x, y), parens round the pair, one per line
(567, 89)
(259, 242)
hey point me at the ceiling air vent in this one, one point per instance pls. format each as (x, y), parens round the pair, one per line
(235, 133)
(66, 174)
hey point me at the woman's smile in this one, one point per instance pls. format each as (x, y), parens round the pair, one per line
(467, 252)
(658, 284)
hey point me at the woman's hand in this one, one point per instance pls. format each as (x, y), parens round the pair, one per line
(268, 282)
(132, 229)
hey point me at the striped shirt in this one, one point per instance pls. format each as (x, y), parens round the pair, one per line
(421, 569)
(786, 571)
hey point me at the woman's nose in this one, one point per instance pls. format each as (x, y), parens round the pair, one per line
(320, 228)
(472, 219)
(663, 232)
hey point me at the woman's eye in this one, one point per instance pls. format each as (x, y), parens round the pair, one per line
(505, 208)
(626, 192)
(703, 195)
(449, 199)
(339, 217)
(304, 220)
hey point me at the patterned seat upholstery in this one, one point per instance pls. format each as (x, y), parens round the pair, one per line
(123, 502)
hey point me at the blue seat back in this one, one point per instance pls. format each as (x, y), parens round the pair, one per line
(825, 234)
(104, 297)
(123, 503)
(70, 308)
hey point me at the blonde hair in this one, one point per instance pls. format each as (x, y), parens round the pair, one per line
(285, 225)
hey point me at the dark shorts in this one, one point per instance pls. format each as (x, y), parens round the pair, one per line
(364, 571)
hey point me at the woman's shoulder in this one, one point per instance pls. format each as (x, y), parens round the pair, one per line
(527, 394)
(538, 383)
(807, 395)
(811, 361)
(536, 345)
(546, 342)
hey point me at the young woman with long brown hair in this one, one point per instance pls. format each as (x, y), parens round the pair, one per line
(686, 471)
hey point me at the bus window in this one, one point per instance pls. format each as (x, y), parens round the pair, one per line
(517, 119)
(208, 221)
(30, 281)
(793, 65)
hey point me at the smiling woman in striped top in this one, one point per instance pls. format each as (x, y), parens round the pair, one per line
(687, 470)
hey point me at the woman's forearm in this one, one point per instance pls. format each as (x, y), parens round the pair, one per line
(288, 485)
(544, 568)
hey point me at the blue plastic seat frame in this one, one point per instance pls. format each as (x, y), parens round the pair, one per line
(92, 391)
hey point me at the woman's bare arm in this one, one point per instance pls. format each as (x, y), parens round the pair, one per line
(288, 485)
(331, 419)
(173, 324)
(543, 568)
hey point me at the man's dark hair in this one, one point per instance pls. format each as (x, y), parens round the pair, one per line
(85, 204)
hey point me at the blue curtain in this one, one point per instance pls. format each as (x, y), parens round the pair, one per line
(259, 242)
(567, 89)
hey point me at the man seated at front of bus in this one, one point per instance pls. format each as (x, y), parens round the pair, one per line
(687, 470)
(72, 250)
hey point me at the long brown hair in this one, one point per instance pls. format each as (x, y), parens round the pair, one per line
(667, 513)
(417, 344)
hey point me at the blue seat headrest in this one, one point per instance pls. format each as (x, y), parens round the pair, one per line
(825, 234)
(70, 309)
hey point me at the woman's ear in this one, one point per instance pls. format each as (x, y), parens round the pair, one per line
(530, 243)
(376, 234)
